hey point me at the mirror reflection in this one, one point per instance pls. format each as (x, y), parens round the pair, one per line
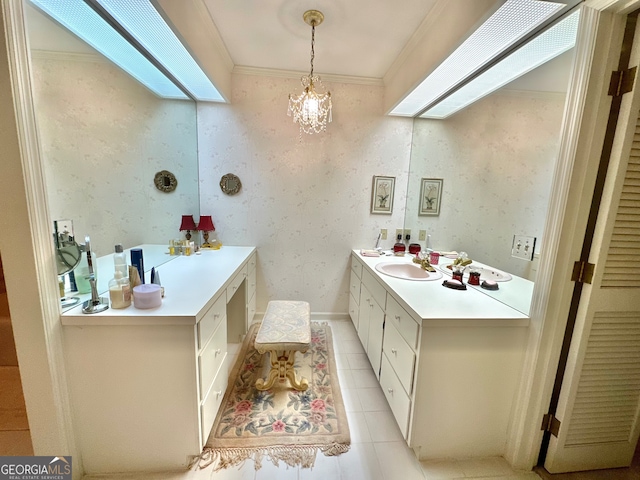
(103, 138)
(494, 162)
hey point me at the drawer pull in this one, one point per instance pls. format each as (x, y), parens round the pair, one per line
(390, 390)
(398, 317)
(394, 351)
(218, 393)
(217, 352)
(216, 315)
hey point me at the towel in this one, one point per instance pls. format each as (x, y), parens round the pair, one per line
(369, 253)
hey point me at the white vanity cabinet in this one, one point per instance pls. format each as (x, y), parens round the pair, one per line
(449, 360)
(146, 385)
(354, 291)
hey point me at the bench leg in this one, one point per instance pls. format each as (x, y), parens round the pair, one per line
(281, 369)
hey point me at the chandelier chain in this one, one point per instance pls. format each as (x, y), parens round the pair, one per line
(313, 42)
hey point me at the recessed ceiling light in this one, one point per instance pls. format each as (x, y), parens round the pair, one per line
(143, 22)
(511, 23)
(546, 46)
(77, 17)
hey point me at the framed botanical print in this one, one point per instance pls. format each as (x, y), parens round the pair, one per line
(382, 194)
(430, 196)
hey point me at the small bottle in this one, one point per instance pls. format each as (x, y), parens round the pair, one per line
(120, 261)
(119, 291)
(137, 260)
(399, 247)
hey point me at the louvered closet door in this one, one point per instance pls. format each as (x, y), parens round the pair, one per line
(600, 397)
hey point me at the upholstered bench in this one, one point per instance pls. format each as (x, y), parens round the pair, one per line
(284, 331)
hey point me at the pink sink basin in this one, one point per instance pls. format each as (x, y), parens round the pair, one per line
(407, 271)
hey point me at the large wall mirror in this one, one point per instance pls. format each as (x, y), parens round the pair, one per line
(496, 160)
(104, 137)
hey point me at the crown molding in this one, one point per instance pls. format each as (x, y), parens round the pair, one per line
(214, 35)
(415, 41)
(68, 56)
(328, 78)
(540, 94)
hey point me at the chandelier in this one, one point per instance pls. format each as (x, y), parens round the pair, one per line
(311, 110)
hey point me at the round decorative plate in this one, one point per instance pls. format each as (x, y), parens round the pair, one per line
(165, 181)
(230, 184)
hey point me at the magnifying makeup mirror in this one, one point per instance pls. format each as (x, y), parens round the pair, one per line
(68, 254)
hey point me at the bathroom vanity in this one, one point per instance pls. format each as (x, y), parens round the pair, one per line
(145, 385)
(448, 361)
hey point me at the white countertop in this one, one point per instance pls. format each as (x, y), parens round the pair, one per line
(435, 304)
(191, 283)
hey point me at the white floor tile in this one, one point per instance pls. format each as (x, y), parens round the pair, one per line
(383, 427)
(372, 399)
(364, 379)
(398, 462)
(441, 470)
(345, 378)
(341, 361)
(358, 361)
(493, 466)
(360, 463)
(358, 427)
(351, 399)
(282, 472)
(324, 468)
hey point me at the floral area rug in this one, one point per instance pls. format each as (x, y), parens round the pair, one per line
(281, 423)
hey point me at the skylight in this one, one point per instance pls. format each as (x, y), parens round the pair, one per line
(546, 46)
(143, 22)
(511, 23)
(140, 20)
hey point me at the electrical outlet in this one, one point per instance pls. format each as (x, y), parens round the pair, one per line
(383, 234)
(399, 231)
(423, 235)
(523, 247)
(407, 233)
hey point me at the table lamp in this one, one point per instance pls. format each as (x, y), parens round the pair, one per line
(206, 225)
(188, 224)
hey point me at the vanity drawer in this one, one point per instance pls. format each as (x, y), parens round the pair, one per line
(354, 286)
(356, 266)
(400, 356)
(251, 283)
(353, 310)
(236, 282)
(377, 291)
(211, 358)
(404, 322)
(253, 260)
(212, 401)
(210, 320)
(398, 400)
(251, 311)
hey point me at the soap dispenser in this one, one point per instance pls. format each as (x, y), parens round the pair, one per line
(119, 291)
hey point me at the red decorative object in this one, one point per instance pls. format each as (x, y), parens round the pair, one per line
(188, 224)
(206, 225)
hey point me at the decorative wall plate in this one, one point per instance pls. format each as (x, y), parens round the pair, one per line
(230, 184)
(165, 181)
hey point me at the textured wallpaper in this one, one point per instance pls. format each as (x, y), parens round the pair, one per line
(103, 138)
(496, 159)
(304, 204)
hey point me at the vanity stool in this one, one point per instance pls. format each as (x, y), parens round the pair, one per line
(284, 331)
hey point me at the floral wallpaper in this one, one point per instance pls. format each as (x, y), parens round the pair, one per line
(103, 138)
(305, 201)
(496, 159)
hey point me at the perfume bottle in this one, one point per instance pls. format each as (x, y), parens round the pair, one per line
(399, 247)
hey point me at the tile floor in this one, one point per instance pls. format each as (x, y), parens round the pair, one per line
(378, 451)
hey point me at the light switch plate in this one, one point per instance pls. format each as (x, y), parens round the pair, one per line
(423, 235)
(523, 247)
(383, 234)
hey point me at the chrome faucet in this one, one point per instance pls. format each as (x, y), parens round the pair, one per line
(96, 303)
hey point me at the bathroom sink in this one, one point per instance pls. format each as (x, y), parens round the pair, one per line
(407, 271)
(486, 273)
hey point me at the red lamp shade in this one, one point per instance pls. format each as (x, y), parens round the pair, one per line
(187, 223)
(206, 224)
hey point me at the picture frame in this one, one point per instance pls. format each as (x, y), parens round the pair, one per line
(430, 196)
(382, 194)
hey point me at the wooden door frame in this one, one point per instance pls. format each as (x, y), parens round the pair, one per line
(582, 137)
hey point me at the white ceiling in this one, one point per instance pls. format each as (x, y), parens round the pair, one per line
(358, 38)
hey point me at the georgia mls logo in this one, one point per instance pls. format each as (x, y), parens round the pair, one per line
(35, 468)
